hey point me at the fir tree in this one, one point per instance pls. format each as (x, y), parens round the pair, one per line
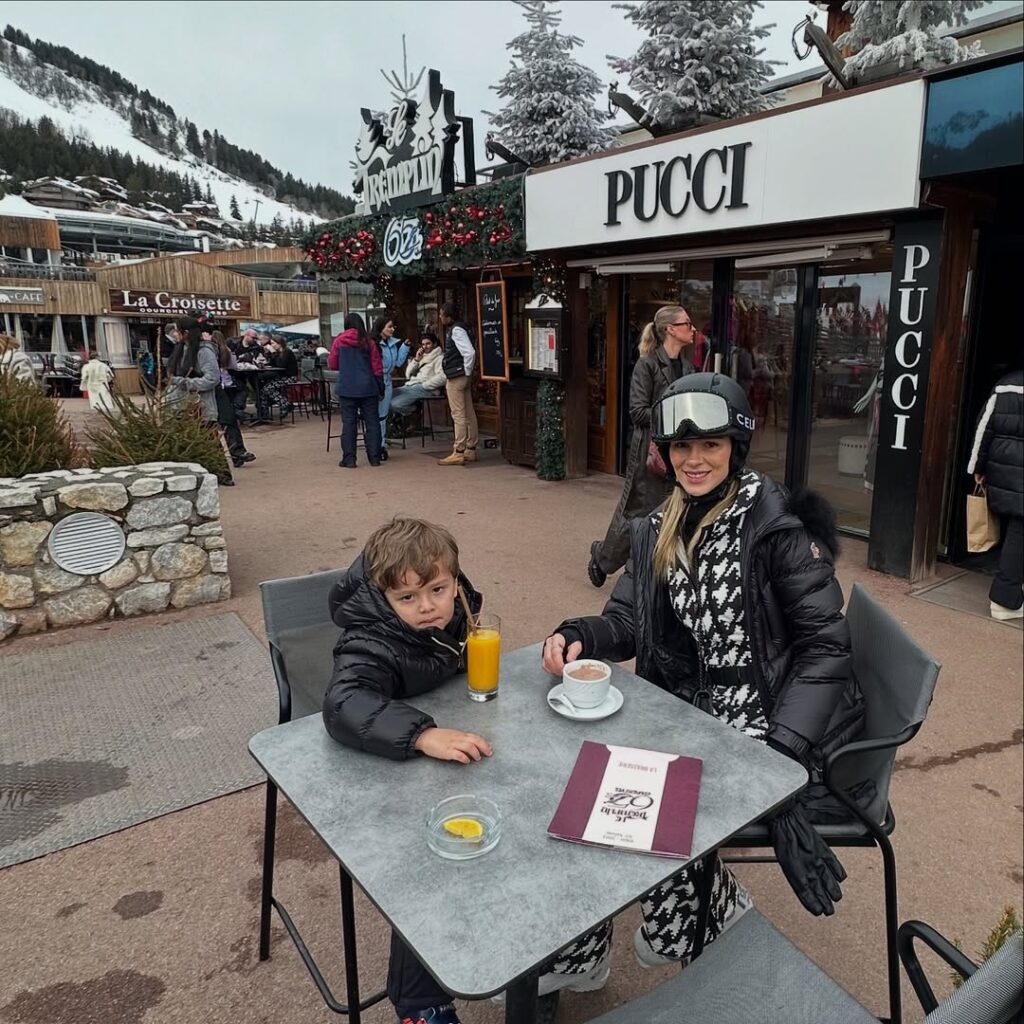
(700, 58)
(192, 143)
(550, 112)
(904, 32)
(233, 208)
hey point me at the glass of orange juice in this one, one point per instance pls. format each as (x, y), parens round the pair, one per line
(483, 654)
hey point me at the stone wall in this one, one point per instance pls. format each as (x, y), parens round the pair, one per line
(175, 555)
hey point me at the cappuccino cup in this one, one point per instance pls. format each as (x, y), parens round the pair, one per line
(585, 682)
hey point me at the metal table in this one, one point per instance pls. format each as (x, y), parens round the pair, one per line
(258, 375)
(486, 925)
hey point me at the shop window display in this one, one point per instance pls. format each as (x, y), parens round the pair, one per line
(852, 318)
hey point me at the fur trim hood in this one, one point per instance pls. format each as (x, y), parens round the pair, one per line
(779, 509)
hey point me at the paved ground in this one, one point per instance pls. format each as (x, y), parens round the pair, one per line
(157, 924)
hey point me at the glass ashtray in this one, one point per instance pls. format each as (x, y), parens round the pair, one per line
(463, 827)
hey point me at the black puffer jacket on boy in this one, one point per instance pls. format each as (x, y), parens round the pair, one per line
(792, 607)
(380, 662)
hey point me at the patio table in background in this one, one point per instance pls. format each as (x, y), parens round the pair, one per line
(258, 374)
(481, 926)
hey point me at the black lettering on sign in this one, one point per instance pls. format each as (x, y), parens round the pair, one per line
(492, 317)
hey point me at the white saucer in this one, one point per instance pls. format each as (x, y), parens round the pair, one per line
(607, 707)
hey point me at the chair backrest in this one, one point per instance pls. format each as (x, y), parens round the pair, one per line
(992, 995)
(302, 638)
(897, 679)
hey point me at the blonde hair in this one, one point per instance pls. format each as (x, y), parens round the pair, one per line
(669, 543)
(409, 545)
(654, 333)
(8, 343)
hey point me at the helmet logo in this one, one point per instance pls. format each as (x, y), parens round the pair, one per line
(745, 421)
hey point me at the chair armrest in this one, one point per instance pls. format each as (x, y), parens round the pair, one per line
(911, 930)
(865, 747)
(284, 690)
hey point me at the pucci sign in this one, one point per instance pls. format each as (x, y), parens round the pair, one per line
(403, 242)
(168, 303)
(21, 296)
(406, 157)
(770, 169)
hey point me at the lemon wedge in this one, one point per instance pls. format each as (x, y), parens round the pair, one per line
(464, 828)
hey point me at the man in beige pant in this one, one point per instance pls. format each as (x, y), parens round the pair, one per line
(458, 361)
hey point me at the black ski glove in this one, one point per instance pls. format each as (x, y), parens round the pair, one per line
(810, 867)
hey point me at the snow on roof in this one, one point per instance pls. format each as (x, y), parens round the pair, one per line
(15, 206)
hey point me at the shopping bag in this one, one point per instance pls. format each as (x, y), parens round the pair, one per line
(982, 525)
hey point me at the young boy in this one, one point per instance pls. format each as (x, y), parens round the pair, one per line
(403, 634)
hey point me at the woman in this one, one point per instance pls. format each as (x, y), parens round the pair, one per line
(193, 368)
(424, 376)
(359, 388)
(730, 601)
(661, 362)
(275, 392)
(393, 354)
(997, 462)
(95, 381)
(224, 394)
(13, 362)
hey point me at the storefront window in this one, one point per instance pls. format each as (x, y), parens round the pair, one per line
(853, 314)
(760, 332)
(37, 332)
(597, 354)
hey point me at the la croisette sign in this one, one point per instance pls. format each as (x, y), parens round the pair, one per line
(131, 301)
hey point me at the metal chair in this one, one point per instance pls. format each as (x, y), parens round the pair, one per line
(897, 679)
(990, 994)
(301, 637)
(753, 974)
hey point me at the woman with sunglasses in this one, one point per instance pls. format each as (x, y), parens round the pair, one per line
(662, 361)
(730, 601)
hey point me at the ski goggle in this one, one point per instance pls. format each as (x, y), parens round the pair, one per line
(705, 413)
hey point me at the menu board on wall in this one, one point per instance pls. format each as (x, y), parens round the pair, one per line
(493, 320)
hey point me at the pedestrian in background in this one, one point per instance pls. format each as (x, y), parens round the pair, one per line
(458, 361)
(393, 354)
(661, 363)
(997, 462)
(359, 388)
(13, 362)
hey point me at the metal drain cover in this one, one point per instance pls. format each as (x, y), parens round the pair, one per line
(86, 543)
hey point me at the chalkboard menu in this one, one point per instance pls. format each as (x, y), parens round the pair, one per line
(493, 320)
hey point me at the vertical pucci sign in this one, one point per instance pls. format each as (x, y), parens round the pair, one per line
(912, 301)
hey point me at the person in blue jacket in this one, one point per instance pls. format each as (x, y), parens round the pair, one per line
(393, 354)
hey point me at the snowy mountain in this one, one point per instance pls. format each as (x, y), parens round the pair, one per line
(102, 112)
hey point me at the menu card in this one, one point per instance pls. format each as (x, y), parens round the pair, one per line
(630, 799)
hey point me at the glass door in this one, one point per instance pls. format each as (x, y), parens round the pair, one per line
(852, 317)
(760, 334)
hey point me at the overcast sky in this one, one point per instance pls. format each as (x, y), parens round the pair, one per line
(287, 80)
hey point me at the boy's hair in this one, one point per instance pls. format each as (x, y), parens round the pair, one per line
(407, 544)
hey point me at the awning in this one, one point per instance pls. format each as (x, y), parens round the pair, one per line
(308, 327)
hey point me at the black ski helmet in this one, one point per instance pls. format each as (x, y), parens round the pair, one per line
(704, 405)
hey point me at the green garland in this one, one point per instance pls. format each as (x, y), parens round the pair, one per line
(476, 227)
(550, 431)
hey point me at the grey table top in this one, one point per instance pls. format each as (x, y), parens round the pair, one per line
(480, 924)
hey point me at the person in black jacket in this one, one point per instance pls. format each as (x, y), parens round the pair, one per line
(662, 361)
(730, 601)
(997, 462)
(403, 633)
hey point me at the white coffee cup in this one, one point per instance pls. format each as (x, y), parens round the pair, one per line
(592, 689)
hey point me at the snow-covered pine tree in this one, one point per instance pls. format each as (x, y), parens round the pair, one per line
(233, 208)
(904, 33)
(700, 57)
(550, 113)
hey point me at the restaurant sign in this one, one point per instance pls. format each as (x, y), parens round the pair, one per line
(406, 157)
(130, 301)
(21, 296)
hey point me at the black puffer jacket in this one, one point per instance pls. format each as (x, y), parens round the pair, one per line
(793, 615)
(998, 449)
(380, 662)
